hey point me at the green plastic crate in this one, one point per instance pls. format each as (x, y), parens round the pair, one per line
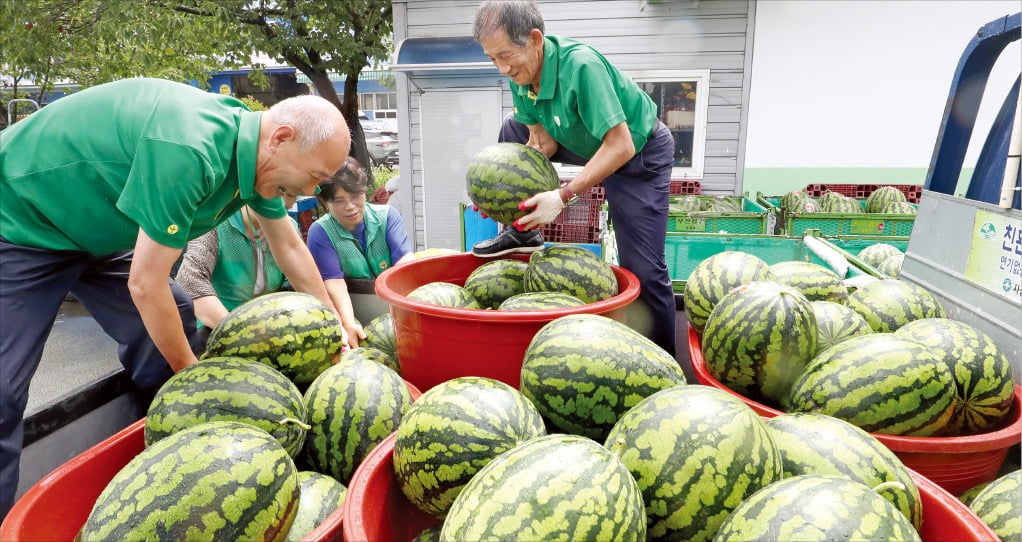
(833, 224)
(753, 219)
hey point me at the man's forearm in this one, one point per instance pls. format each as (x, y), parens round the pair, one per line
(156, 306)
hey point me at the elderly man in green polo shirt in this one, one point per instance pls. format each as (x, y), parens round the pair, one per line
(101, 190)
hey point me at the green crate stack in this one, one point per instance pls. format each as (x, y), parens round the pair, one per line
(753, 218)
(835, 224)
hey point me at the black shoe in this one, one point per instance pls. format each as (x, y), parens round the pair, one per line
(511, 240)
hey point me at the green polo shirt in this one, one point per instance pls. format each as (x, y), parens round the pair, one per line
(581, 96)
(87, 171)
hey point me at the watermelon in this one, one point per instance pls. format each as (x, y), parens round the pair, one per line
(881, 383)
(571, 270)
(819, 444)
(493, 282)
(696, 452)
(791, 201)
(816, 507)
(537, 301)
(583, 371)
(292, 332)
(320, 496)
(876, 253)
(758, 338)
(889, 304)
(500, 176)
(352, 407)
(891, 266)
(971, 493)
(982, 372)
(840, 205)
(429, 534)
(380, 335)
(212, 481)
(229, 389)
(880, 198)
(899, 208)
(444, 294)
(371, 354)
(814, 281)
(556, 487)
(722, 204)
(685, 204)
(452, 431)
(716, 276)
(999, 505)
(836, 323)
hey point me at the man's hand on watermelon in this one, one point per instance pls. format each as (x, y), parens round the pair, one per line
(545, 208)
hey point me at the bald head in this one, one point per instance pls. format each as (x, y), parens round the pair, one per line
(313, 119)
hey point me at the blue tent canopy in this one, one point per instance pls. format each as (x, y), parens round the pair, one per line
(438, 56)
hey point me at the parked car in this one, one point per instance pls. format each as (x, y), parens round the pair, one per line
(383, 148)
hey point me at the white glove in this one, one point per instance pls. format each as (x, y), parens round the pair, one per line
(547, 205)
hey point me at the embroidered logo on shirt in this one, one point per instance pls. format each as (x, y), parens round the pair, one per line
(172, 229)
(383, 265)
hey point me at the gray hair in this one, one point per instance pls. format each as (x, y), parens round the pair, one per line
(309, 116)
(516, 17)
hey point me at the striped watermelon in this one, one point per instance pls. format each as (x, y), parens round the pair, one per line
(818, 444)
(815, 282)
(452, 431)
(875, 254)
(320, 496)
(493, 282)
(500, 176)
(229, 389)
(292, 332)
(836, 323)
(556, 487)
(899, 208)
(572, 270)
(880, 198)
(696, 452)
(816, 507)
(684, 204)
(722, 204)
(371, 354)
(380, 335)
(537, 301)
(971, 493)
(213, 481)
(881, 383)
(1000, 506)
(982, 372)
(716, 276)
(352, 407)
(583, 371)
(444, 294)
(429, 534)
(891, 267)
(840, 204)
(792, 200)
(889, 304)
(758, 339)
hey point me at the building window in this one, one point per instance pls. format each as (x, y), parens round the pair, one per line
(681, 98)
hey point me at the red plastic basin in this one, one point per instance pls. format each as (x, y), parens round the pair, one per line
(436, 344)
(954, 463)
(56, 507)
(376, 510)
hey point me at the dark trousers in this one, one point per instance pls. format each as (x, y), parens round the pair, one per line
(637, 195)
(33, 284)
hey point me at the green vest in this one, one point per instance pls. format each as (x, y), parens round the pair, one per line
(354, 262)
(235, 275)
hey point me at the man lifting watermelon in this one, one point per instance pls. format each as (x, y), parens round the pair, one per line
(576, 108)
(139, 164)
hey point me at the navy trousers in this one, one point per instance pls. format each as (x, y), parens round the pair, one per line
(33, 284)
(638, 196)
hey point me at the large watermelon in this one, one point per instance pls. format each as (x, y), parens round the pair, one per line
(684, 204)
(819, 444)
(452, 431)
(836, 323)
(500, 176)
(891, 267)
(229, 389)
(889, 304)
(881, 383)
(213, 481)
(816, 507)
(292, 332)
(583, 371)
(557, 487)
(999, 505)
(372, 354)
(815, 282)
(882, 197)
(493, 282)
(380, 335)
(537, 301)
(758, 339)
(352, 407)
(444, 294)
(321, 496)
(572, 270)
(899, 208)
(717, 275)
(982, 372)
(696, 452)
(840, 204)
(876, 253)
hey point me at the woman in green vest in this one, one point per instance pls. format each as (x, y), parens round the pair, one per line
(354, 239)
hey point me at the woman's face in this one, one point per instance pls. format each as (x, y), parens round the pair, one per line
(348, 209)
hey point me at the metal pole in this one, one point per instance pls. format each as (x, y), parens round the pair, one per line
(10, 107)
(1008, 187)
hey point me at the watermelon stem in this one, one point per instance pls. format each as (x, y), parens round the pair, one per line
(889, 485)
(618, 447)
(297, 422)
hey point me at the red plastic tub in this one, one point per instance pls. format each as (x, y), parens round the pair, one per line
(954, 463)
(436, 344)
(376, 510)
(56, 507)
